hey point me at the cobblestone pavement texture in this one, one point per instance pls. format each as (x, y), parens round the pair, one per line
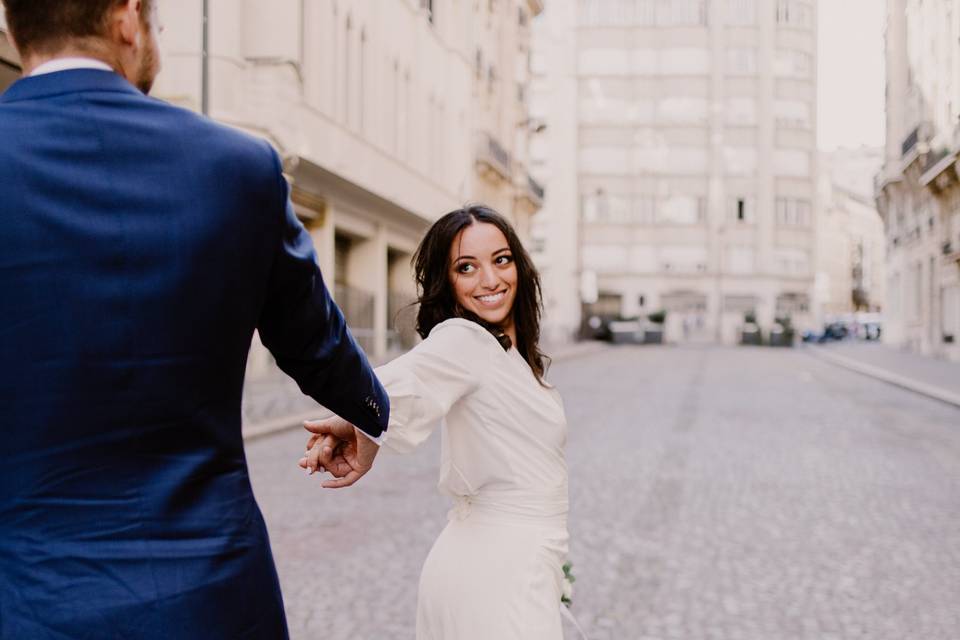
(939, 373)
(716, 494)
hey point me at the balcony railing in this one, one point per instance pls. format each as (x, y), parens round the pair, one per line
(401, 321)
(357, 307)
(492, 157)
(535, 188)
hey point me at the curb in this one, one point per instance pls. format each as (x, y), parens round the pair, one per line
(921, 388)
(287, 423)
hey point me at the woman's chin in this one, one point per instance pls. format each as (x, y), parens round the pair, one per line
(492, 317)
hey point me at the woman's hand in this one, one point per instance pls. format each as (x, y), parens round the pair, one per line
(337, 447)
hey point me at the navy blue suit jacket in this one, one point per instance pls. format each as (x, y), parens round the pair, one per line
(140, 246)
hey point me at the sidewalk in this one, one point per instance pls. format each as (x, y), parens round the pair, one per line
(275, 403)
(937, 379)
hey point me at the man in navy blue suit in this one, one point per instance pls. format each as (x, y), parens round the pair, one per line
(140, 247)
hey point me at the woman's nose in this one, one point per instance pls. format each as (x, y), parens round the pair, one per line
(488, 278)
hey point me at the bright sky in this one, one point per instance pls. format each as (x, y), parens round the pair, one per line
(851, 73)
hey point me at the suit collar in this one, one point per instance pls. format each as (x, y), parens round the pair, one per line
(63, 82)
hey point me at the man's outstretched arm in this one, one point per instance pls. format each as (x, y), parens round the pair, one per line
(305, 331)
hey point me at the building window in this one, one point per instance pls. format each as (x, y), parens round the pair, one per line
(644, 209)
(741, 61)
(792, 114)
(740, 161)
(681, 210)
(916, 289)
(683, 110)
(792, 212)
(478, 63)
(666, 13)
(794, 13)
(606, 12)
(741, 13)
(740, 111)
(789, 63)
(741, 210)
(677, 13)
(791, 162)
(793, 262)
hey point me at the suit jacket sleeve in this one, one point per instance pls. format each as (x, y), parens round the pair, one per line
(305, 331)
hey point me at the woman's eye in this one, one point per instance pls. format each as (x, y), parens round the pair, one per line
(504, 259)
(465, 268)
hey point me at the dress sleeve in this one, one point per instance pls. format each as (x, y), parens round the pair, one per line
(429, 379)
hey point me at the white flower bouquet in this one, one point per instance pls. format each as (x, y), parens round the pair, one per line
(568, 580)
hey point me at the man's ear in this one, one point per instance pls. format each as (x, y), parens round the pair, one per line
(126, 22)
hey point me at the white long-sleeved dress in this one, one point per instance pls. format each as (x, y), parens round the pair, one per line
(496, 571)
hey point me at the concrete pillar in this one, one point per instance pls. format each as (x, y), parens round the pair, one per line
(367, 270)
(324, 235)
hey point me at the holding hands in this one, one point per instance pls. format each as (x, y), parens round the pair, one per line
(336, 446)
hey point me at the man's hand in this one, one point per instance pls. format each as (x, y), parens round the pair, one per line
(337, 447)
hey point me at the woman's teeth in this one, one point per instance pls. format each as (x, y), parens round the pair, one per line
(490, 299)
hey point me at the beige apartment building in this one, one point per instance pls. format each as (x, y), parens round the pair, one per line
(387, 114)
(694, 159)
(851, 263)
(918, 189)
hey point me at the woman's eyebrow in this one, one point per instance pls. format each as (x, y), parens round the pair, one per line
(500, 251)
(464, 258)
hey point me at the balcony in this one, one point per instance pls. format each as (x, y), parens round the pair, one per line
(939, 172)
(493, 161)
(887, 175)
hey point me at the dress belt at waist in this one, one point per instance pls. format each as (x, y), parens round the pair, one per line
(534, 507)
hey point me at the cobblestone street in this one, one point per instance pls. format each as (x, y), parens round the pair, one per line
(716, 494)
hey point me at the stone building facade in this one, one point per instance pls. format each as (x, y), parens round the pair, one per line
(693, 160)
(918, 189)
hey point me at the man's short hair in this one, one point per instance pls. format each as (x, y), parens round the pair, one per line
(47, 26)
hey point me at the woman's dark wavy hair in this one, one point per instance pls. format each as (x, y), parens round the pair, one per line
(437, 298)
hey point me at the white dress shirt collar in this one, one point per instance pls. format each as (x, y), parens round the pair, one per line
(64, 64)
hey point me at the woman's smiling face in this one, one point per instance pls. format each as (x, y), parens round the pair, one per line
(484, 275)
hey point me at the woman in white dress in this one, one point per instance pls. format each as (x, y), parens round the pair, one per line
(496, 571)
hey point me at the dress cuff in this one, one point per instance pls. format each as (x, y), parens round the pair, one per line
(377, 440)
